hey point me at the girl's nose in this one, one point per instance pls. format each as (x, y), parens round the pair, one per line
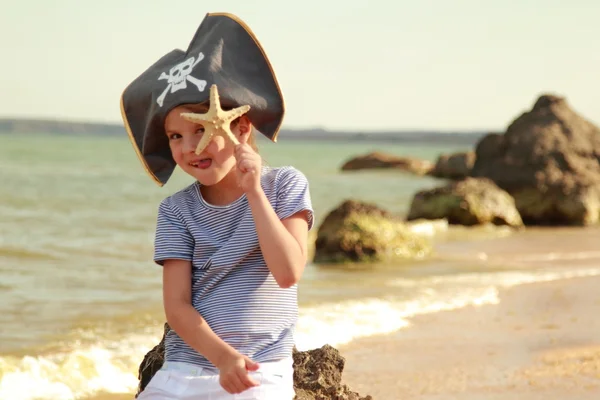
(190, 143)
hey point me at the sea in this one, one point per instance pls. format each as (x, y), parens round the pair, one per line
(80, 298)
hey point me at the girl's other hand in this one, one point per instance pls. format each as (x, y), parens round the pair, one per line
(234, 374)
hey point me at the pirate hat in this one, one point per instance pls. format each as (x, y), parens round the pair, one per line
(223, 52)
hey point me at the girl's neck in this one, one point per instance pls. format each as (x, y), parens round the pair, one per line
(224, 192)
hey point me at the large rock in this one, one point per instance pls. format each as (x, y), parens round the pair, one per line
(362, 232)
(468, 202)
(317, 373)
(455, 166)
(549, 161)
(380, 160)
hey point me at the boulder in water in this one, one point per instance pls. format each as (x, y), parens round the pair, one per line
(361, 232)
(380, 160)
(549, 161)
(468, 202)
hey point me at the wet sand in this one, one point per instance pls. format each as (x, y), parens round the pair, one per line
(541, 342)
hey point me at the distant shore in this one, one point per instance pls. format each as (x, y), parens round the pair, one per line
(61, 127)
(540, 342)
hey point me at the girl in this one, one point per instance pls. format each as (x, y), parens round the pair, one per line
(232, 246)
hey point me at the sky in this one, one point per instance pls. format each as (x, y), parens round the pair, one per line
(342, 64)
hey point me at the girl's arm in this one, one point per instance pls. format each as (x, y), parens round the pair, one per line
(193, 329)
(183, 317)
(283, 242)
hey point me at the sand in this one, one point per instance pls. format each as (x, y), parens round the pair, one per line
(541, 342)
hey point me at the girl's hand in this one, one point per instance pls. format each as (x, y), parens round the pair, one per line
(249, 165)
(234, 376)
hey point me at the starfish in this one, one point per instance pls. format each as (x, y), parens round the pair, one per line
(216, 121)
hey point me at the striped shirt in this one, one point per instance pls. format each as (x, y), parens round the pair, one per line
(232, 288)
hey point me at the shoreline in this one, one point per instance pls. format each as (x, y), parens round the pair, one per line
(541, 342)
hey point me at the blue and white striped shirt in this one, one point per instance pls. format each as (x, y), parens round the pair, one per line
(232, 288)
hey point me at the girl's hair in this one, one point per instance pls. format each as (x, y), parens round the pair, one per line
(203, 107)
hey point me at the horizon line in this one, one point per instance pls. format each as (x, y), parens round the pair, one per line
(284, 127)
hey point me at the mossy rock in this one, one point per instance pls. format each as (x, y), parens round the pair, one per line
(578, 206)
(362, 232)
(467, 202)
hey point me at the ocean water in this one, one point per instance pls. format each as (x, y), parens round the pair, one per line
(80, 298)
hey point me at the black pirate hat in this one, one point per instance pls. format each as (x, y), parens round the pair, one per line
(224, 52)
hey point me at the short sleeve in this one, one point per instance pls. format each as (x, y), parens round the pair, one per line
(172, 240)
(293, 195)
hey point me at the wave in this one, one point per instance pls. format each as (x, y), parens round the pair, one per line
(108, 366)
(500, 279)
(340, 323)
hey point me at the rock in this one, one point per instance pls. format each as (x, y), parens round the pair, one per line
(317, 373)
(318, 376)
(152, 362)
(549, 161)
(379, 160)
(468, 202)
(362, 232)
(455, 166)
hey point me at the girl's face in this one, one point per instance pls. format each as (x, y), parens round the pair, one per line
(217, 159)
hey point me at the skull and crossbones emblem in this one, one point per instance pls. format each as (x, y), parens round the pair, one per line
(178, 77)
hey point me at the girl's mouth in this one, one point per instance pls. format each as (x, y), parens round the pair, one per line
(202, 164)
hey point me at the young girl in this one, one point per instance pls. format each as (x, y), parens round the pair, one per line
(232, 245)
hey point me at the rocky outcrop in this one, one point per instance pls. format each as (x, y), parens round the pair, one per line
(362, 232)
(318, 376)
(152, 362)
(455, 166)
(379, 160)
(549, 161)
(468, 202)
(317, 373)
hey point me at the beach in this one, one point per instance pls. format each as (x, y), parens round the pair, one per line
(522, 341)
(542, 341)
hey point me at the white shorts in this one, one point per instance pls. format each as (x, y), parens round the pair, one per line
(182, 381)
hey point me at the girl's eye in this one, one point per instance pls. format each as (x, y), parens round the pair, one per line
(200, 130)
(174, 136)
